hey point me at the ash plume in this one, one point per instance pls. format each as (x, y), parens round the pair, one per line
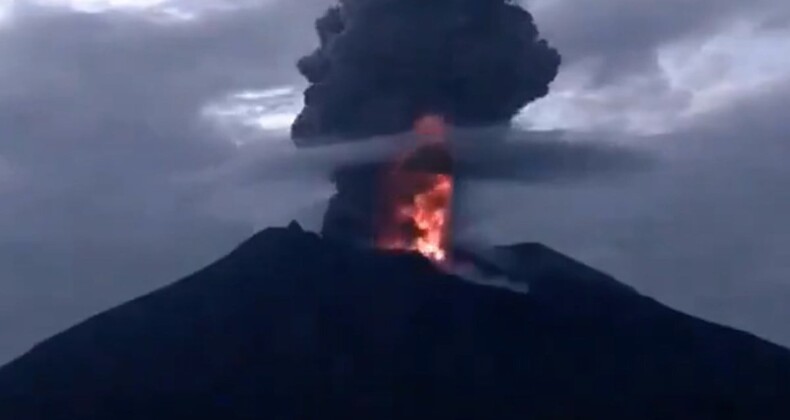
(383, 63)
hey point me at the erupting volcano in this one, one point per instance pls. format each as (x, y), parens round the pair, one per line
(296, 325)
(418, 190)
(386, 67)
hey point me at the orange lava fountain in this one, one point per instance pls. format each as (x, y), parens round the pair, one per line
(416, 213)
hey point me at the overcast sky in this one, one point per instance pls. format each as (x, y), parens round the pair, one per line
(128, 127)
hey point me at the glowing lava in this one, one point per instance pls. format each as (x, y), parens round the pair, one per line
(419, 190)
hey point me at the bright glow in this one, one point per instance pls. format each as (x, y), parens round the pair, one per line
(6, 11)
(728, 66)
(695, 77)
(275, 121)
(630, 106)
(250, 111)
(279, 92)
(96, 6)
(160, 10)
(416, 213)
(164, 10)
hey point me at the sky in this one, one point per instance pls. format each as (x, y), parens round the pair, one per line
(142, 139)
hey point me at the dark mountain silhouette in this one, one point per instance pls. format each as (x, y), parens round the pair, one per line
(293, 326)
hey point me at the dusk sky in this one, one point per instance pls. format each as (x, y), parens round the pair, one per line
(142, 139)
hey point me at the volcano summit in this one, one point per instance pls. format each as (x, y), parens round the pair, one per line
(291, 326)
(296, 325)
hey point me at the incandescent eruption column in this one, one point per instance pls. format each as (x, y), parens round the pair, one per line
(417, 192)
(405, 66)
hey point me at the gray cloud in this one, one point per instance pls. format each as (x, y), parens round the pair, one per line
(622, 37)
(703, 231)
(111, 184)
(99, 121)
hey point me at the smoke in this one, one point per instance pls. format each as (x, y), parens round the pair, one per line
(381, 64)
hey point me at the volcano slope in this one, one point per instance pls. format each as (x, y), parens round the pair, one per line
(292, 326)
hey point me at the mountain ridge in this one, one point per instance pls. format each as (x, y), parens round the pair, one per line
(290, 325)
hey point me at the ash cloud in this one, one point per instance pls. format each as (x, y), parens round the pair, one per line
(383, 63)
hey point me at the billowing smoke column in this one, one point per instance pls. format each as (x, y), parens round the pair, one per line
(383, 64)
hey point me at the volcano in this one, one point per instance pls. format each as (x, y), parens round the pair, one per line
(383, 316)
(293, 326)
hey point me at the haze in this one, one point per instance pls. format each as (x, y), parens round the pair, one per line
(140, 140)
